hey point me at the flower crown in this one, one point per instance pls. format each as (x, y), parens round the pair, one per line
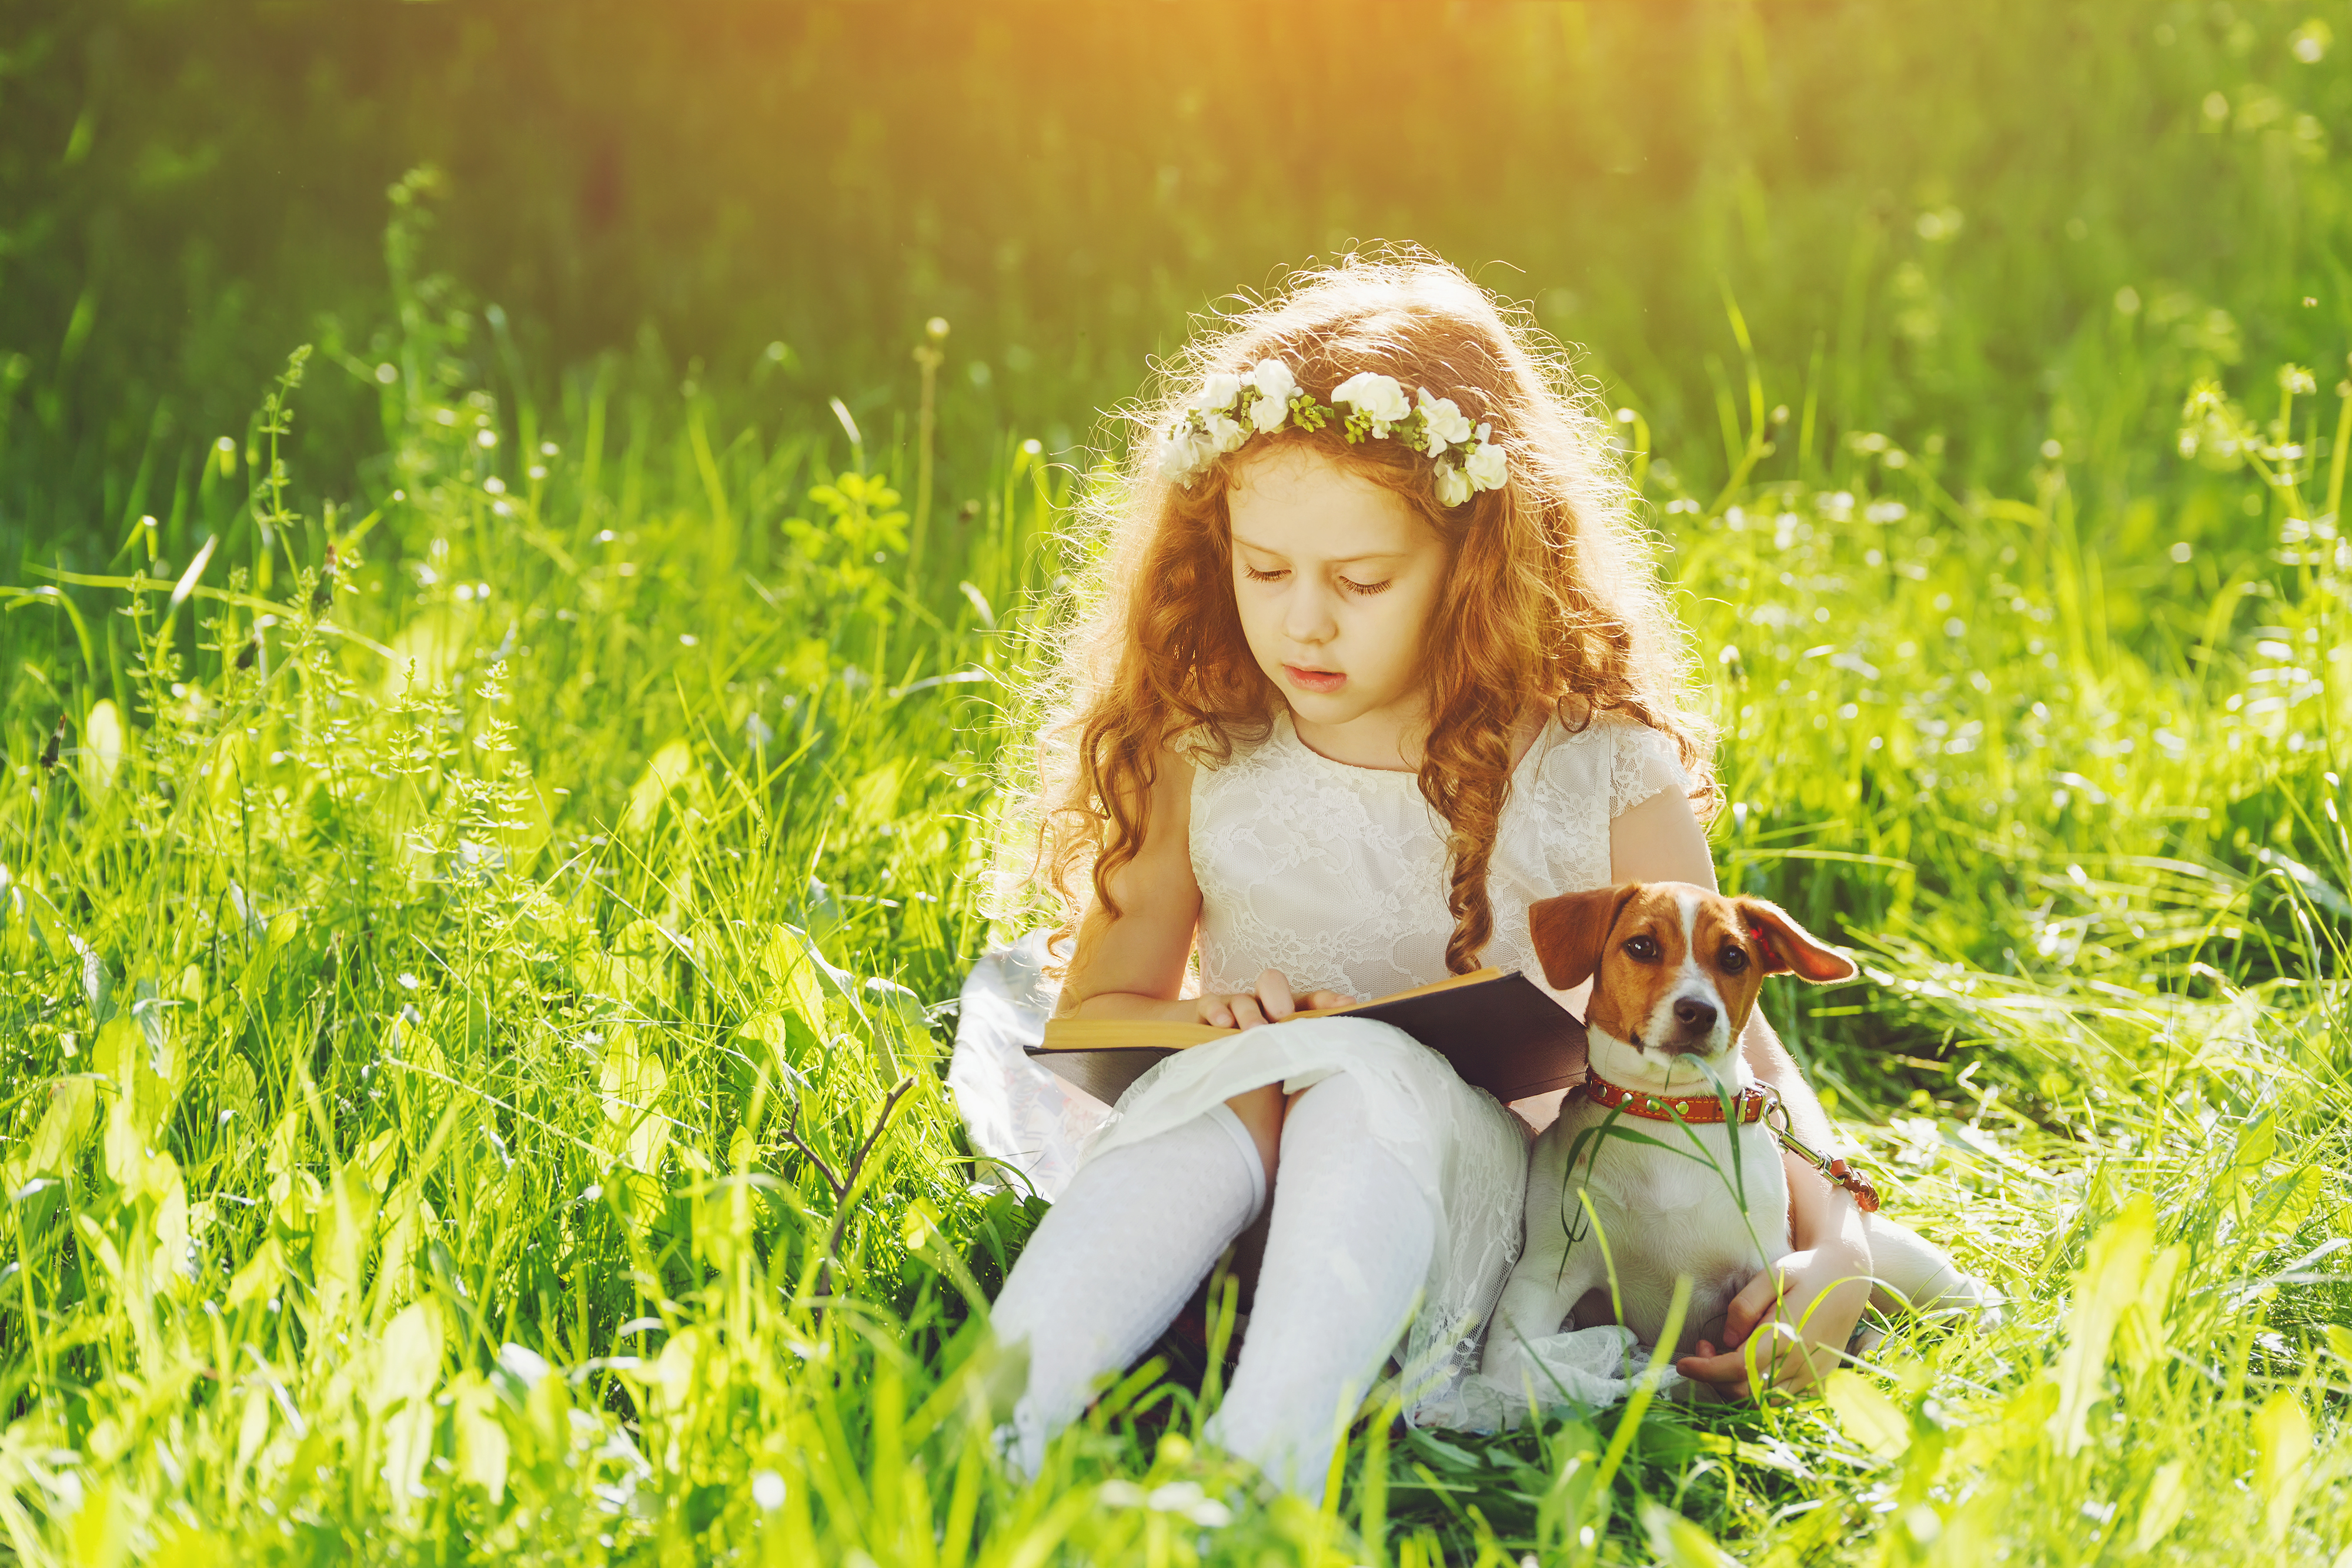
(1230, 409)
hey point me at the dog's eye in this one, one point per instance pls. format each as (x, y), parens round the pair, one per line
(1733, 960)
(1641, 949)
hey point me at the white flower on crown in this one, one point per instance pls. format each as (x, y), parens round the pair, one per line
(1183, 453)
(1267, 413)
(1273, 380)
(1217, 394)
(1230, 407)
(1487, 466)
(1378, 398)
(1273, 383)
(1453, 485)
(1442, 425)
(1169, 459)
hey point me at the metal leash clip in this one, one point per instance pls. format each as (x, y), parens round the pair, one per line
(1833, 1167)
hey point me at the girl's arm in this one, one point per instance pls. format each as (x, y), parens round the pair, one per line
(1825, 1283)
(1133, 967)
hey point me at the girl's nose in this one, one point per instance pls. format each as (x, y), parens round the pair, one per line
(1307, 616)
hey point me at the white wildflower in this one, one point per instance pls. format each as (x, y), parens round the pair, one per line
(1225, 435)
(1453, 485)
(768, 1491)
(1377, 397)
(1269, 412)
(1442, 420)
(1188, 1498)
(1488, 467)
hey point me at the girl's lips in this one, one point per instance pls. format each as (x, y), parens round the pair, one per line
(1314, 680)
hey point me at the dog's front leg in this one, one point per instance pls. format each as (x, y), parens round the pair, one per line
(1550, 1278)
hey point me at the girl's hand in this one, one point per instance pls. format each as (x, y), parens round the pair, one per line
(1787, 1328)
(1269, 1002)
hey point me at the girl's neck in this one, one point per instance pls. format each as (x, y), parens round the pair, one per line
(1389, 743)
(1384, 742)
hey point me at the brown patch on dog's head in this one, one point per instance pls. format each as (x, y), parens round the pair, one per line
(1653, 988)
(1569, 931)
(1789, 945)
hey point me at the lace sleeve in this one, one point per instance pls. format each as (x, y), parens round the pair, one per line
(1645, 762)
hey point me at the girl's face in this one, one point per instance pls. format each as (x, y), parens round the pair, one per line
(1336, 579)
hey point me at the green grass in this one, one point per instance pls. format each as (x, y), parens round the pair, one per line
(409, 1031)
(440, 1031)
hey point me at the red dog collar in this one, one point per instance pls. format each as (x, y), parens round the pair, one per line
(1749, 1104)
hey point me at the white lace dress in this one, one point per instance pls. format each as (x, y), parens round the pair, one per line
(1336, 876)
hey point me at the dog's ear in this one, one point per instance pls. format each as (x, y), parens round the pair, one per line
(1571, 931)
(1789, 945)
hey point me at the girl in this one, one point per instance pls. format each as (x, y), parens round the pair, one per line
(1372, 659)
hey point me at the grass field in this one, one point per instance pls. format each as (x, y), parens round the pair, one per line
(473, 1015)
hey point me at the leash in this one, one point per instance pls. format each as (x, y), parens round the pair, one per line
(1757, 1103)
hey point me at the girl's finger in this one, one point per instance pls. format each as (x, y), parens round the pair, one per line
(1752, 1305)
(1217, 1013)
(1246, 1014)
(1274, 994)
(1725, 1369)
(1322, 999)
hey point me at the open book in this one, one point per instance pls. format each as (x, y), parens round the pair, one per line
(1500, 1031)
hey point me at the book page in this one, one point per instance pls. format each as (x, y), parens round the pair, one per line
(1113, 1034)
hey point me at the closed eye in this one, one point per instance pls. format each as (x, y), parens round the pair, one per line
(1361, 590)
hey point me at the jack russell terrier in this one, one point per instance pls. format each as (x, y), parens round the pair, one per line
(1675, 971)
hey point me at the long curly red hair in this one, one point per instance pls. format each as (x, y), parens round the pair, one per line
(1552, 605)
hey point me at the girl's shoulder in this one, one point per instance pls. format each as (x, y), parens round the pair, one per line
(1608, 755)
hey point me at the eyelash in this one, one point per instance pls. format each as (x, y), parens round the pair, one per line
(1362, 590)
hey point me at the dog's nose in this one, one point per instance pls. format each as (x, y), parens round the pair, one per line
(1695, 1014)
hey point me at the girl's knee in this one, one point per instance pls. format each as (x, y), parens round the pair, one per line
(1336, 1098)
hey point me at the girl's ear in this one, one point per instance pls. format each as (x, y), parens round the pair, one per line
(1789, 945)
(1570, 932)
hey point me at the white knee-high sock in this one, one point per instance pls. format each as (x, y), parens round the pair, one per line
(1345, 1258)
(1111, 1262)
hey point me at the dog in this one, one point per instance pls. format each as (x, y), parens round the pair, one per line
(1676, 971)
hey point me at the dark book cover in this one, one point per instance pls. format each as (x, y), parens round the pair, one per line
(1501, 1033)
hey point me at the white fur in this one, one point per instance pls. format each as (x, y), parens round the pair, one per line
(1661, 1214)
(1691, 980)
